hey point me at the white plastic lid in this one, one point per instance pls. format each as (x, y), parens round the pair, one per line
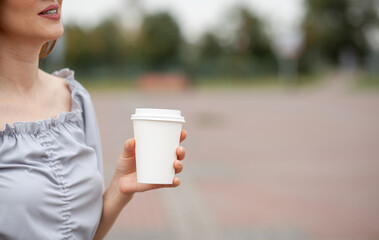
(158, 115)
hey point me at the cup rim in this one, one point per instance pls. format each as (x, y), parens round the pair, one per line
(158, 114)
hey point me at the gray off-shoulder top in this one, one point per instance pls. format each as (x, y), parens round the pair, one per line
(51, 174)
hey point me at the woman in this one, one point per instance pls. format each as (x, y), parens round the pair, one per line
(51, 183)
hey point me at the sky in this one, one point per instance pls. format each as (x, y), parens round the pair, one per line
(194, 16)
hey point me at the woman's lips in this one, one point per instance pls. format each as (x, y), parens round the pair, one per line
(51, 12)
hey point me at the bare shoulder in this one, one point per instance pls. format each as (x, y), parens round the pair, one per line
(56, 84)
(52, 80)
(59, 90)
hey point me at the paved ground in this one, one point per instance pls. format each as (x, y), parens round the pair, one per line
(260, 165)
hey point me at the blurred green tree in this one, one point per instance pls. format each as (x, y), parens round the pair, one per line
(159, 41)
(250, 37)
(238, 47)
(103, 46)
(77, 55)
(251, 46)
(209, 46)
(335, 28)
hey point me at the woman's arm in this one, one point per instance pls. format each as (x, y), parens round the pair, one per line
(124, 185)
(113, 203)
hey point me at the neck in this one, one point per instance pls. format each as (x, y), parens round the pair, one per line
(19, 72)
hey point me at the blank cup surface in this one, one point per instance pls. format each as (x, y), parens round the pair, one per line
(157, 135)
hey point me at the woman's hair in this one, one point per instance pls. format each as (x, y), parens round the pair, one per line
(47, 48)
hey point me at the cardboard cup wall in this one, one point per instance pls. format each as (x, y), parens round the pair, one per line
(157, 135)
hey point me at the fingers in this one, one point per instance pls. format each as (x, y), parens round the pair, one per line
(129, 148)
(183, 135)
(180, 152)
(178, 165)
(175, 183)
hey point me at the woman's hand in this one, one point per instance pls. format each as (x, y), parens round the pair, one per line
(124, 185)
(126, 169)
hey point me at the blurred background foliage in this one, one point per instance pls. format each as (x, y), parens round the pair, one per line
(339, 33)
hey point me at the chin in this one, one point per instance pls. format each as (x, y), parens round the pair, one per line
(53, 33)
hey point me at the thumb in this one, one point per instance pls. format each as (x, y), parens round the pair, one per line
(129, 148)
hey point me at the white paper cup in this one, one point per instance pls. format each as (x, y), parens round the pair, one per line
(157, 135)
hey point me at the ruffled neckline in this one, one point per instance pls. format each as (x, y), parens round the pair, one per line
(45, 124)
